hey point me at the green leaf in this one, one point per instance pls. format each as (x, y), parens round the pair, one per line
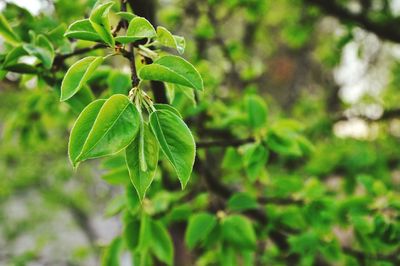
(143, 147)
(77, 76)
(103, 128)
(160, 106)
(82, 128)
(82, 98)
(255, 157)
(176, 142)
(83, 30)
(119, 82)
(172, 69)
(162, 245)
(111, 254)
(101, 24)
(238, 231)
(126, 15)
(139, 28)
(118, 176)
(6, 31)
(167, 39)
(145, 240)
(200, 225)
(11, 61)
(242, 202)
(132, 200)
(42, 49)
(131, 233)
(257, 111)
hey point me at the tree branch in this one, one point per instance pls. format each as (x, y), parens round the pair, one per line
(223, 143)
(61, 57)
(388, 30)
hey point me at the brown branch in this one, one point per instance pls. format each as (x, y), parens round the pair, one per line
(387, 115)
(223, 143)
(131, 56)
(388, 30)
(61, 57)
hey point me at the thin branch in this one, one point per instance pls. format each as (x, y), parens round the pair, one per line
(387, 115)
(388, 30)
(123, 23)
(61, 57)
(223, 143)
(134, 76)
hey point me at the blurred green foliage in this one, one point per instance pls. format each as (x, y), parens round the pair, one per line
(275, 181)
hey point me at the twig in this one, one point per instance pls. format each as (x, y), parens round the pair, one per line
(61, 57)
(223, 143)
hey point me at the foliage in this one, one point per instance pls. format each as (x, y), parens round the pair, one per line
(208, 159)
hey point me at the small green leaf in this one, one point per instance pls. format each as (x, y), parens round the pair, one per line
(172, 69)
(167, 39)
(111, 254)
(162, 245)
(200, 225)
(42, 49)
(118, 176)
(6, 31)
(77, 75)
(83, 30)
(103, 128)
(143, 147)
(238, 231)
(242, 202)
(119, 82)
(82, 98)
(81, 129)
(139, 28)
(131, 233)
(101, 24)
(160, 106)
(126, 15)
(11, 62)
(255, 157)
(257, 111)
(145, 232)
(176, 142)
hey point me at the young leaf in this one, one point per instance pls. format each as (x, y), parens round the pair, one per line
(42, 49)
(77, 75)
(160, 106)
(139, 28)
(200, 225)
(255, 157)
(176, 142)
(103, 128)
(83, 30)
(81, 100)
(257, 111)
(99, 20)
(6, 31)
(111, 255)
(173, 69)
(143, 147)
(167, 39)
(81, 129)
(126, 15)
(238, 231)
(11, 61)
(241, 202)
(162, 245)
(119, 82)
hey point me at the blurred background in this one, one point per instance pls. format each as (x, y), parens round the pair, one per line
(333, 66)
